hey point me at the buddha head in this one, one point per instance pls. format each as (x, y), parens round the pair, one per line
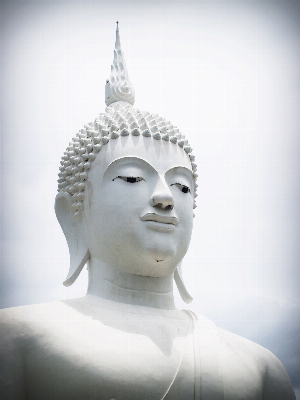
(127, 188)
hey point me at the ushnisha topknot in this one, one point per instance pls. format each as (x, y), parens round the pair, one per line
(119, 119)
(118, 86)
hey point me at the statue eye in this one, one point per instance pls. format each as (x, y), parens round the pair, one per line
(130, 179)
(183, 188)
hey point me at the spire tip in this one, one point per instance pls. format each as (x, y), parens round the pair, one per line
(118, 87)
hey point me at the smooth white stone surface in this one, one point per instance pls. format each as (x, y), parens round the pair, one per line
(95, 348)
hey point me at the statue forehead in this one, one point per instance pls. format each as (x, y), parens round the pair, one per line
(160, 155)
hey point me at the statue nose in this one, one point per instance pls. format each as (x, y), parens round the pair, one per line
(162, 197)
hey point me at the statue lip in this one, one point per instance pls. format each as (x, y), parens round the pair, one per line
(165, 219)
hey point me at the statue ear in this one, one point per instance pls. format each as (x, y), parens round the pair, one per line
(186, 297)
(79, 252)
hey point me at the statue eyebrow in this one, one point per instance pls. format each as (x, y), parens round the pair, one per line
(182, 171)
(130, 161)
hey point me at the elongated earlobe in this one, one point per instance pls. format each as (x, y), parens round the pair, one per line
(186, 297)
(79, 252)
(77, 262)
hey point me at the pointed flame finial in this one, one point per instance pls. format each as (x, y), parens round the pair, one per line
(119, 87)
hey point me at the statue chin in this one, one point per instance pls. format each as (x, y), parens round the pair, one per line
(154, 266)
(127, 188)
(151, 263)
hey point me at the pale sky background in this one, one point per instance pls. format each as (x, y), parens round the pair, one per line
(228, 75)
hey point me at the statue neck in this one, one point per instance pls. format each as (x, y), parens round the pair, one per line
(110, 283)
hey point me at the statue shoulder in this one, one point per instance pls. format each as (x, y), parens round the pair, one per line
(276, 382)
(239, 356)
(22, 326)
(22, 329)
(16, 319)
(16, 331)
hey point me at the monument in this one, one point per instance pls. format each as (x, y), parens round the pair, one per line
(126, 193)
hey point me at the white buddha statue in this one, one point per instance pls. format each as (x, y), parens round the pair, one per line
(125, 204)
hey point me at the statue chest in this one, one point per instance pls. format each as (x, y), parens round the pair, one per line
(137, 358)
(108, 355)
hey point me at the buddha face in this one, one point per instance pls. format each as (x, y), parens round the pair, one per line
(138, 207)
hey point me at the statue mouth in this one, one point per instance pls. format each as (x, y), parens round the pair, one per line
(160, 222)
